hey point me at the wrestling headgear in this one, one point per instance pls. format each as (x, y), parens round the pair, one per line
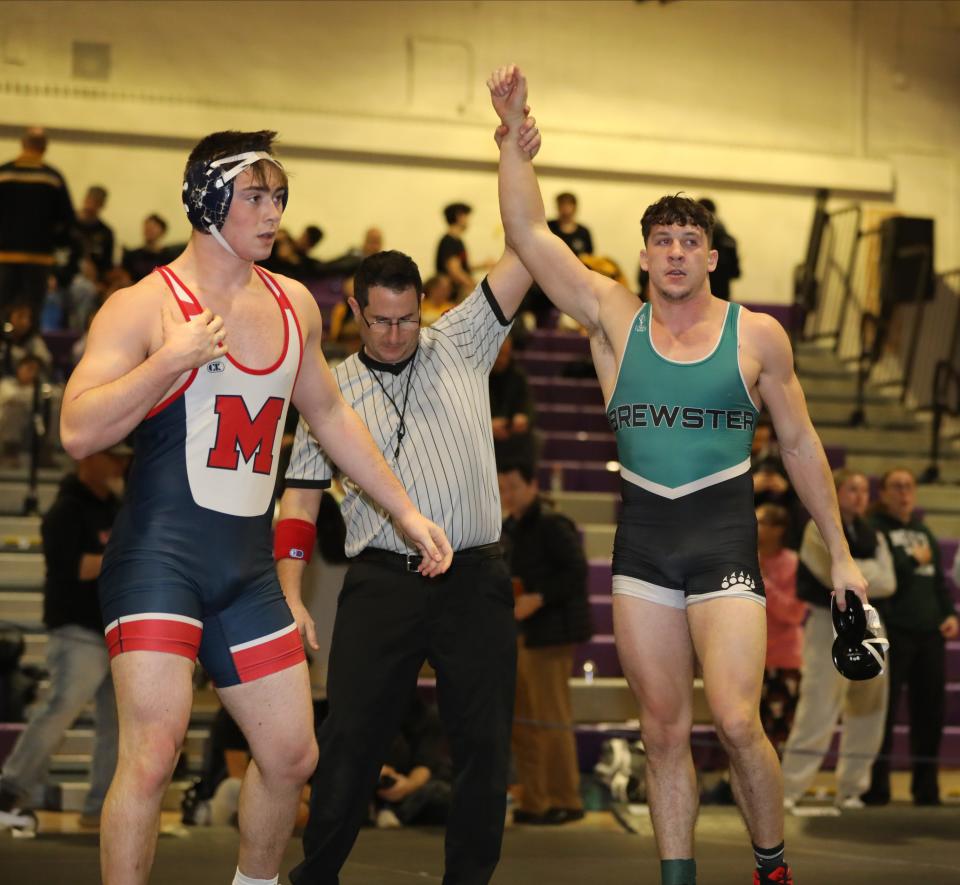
(208, 190)
(859, 645)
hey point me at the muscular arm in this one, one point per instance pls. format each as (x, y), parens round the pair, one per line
(800, 447)
(579, 292)
(118, 381)
(509, 281)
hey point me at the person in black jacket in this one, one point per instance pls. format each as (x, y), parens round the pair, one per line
(920, 618)
(75, 533)
(37, 217)
(549, 570)
(511, 409)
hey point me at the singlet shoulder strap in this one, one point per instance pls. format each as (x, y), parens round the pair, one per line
(185, 298)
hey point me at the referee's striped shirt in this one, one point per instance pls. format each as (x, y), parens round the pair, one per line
(446, 461)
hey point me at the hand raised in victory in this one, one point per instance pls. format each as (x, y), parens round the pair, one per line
(508, 92)
(194, 342)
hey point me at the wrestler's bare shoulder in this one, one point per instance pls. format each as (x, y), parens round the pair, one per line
(763, 337)
(301, 299)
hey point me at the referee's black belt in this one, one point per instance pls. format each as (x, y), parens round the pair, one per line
(410, 562)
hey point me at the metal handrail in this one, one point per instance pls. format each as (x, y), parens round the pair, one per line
(946, 379)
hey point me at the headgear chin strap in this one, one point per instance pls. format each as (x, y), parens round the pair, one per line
(207, 191)
(859, 645)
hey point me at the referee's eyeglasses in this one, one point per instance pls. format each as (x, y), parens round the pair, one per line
(384, 324)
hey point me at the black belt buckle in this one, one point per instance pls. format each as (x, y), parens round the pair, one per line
(412, 562)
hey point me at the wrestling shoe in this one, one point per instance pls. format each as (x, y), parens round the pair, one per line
(781, 875)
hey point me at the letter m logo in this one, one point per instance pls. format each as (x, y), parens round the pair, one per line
(239, 434)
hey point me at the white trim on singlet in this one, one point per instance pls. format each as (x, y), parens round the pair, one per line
(153, 616)
(624, 585)
(726, 594)
(743, 380)
(623, 356)
(688, 487)
(666, 359)
(261, 640)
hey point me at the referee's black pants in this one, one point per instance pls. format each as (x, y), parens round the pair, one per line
(388, 622)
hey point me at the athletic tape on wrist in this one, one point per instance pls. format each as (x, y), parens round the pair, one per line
(294, 539)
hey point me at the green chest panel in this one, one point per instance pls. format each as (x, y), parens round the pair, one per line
(681, 426)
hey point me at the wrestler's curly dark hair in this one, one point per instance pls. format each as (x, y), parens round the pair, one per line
(677, 209)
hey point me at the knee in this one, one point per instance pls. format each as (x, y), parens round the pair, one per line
(665, 737)
(149, 762)
(292, 762)
(738, 728)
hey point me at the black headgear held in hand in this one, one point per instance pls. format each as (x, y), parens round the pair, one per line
(860, 645)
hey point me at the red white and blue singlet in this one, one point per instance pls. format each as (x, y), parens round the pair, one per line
(189, 568)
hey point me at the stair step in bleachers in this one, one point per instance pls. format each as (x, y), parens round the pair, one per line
(578, 446)
(571, 418)
(14, 492)
(549, 363)
(19, 533)
(21, 570)
(584, 507)
(555, 341)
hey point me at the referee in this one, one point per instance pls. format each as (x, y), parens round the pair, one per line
(424, 395)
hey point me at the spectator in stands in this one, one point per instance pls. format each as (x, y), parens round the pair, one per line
(141, 261)
(344, 326)
(75, 532)
(771, 484)
(728, 261)
(547, 562)
(511, 408)
(785, 616)
(825, 696)
(308, 240)
(919, 617)
(452, 258)
(16, 409)
(84, 294)
(22, 339)
(956, 568)
(37, 217)
(437, 300)
(92, 237)
(415, 779)
(53, 316)
(346, 265)
(566, 226)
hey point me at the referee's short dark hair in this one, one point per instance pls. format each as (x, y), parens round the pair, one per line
(391, 269)
(454, 210)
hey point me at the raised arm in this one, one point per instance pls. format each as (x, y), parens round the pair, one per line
(573, 288)
(800, 447)
(119, 380)
(343, 436)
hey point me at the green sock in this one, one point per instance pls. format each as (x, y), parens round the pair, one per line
(678, 872)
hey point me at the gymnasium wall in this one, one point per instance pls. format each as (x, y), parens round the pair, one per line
(384, 117)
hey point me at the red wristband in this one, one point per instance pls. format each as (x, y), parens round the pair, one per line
(294, 539)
